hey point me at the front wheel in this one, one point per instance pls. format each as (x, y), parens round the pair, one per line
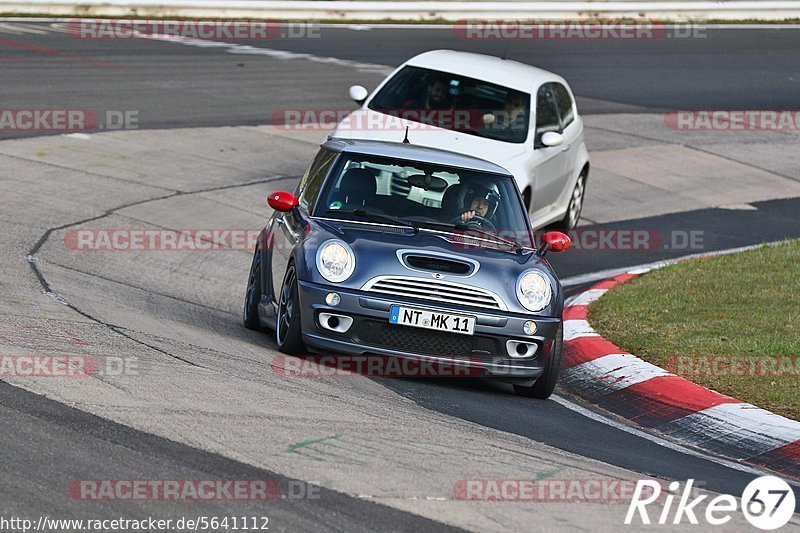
(546, 383)
(253, 295)
(575, 206)
(287, 331)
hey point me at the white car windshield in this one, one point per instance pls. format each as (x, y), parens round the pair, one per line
(456, 103)
(424, 195)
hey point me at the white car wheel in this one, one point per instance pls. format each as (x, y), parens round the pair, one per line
(575, 206)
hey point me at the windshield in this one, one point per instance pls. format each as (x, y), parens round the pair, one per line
(426, 196)
(456, 103)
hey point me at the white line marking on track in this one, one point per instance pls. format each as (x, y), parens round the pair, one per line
(659, 441)
(59, 27)
(611, 272)
(234, 48)
(19, 29)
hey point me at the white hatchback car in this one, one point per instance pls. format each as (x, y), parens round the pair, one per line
(482, 106)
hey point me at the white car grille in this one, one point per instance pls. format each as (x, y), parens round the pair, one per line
(443, 292)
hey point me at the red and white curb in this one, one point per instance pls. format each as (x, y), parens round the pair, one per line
(657, 400)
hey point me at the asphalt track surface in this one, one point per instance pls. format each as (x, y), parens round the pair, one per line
(45, 444)
(184, 86)
(179, 86)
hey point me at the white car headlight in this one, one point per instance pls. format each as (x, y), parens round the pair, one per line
(335, 260)
(534, 291)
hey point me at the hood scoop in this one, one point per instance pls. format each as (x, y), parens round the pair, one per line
(438, 264)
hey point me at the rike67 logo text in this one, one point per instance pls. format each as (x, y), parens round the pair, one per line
(767, 503)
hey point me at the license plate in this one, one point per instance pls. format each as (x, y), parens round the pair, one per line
(420, 318)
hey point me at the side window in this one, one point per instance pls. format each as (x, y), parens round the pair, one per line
(565, 106)
(301, 185)
(546, 112)
(311, 183)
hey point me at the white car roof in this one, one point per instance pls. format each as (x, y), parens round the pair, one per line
(411, 152)
(505, 72)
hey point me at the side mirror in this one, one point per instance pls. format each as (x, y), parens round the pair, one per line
(358, 94)
(552, 138)
(282, 201)
(556, 241)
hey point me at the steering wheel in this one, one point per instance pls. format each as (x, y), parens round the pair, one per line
(476, 221)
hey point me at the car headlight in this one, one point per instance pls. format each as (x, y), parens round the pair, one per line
(335, 261)
(534, 291)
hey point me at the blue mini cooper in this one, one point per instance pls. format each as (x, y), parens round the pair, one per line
(404, 251)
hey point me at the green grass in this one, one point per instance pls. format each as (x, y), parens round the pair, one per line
(741, 307)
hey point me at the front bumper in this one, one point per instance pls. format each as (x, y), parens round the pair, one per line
(485, 353)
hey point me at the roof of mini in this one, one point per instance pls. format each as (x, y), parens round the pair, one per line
(411, 152)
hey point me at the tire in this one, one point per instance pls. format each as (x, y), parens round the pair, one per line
(252, 295)
(546, 383)
(526, 199)
(575, 205)
(288, 333)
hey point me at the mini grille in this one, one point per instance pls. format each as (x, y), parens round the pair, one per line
(442, 292)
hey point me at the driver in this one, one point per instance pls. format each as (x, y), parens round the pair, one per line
(483, 200)
(437, 96)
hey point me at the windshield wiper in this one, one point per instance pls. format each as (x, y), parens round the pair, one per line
(377, 217)
(514, 244)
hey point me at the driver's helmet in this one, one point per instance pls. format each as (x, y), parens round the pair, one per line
(484, 191)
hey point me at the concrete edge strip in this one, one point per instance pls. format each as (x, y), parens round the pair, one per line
(400, 25)
(657, 400)
(775, 10)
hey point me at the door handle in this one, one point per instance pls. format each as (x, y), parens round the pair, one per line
(567, 147)
(279, 221)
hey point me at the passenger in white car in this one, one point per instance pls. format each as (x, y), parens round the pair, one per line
(512, 116)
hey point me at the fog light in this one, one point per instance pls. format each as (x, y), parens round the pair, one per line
(332, 299)
(337, 323)
(518, 349)
(529, 327)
